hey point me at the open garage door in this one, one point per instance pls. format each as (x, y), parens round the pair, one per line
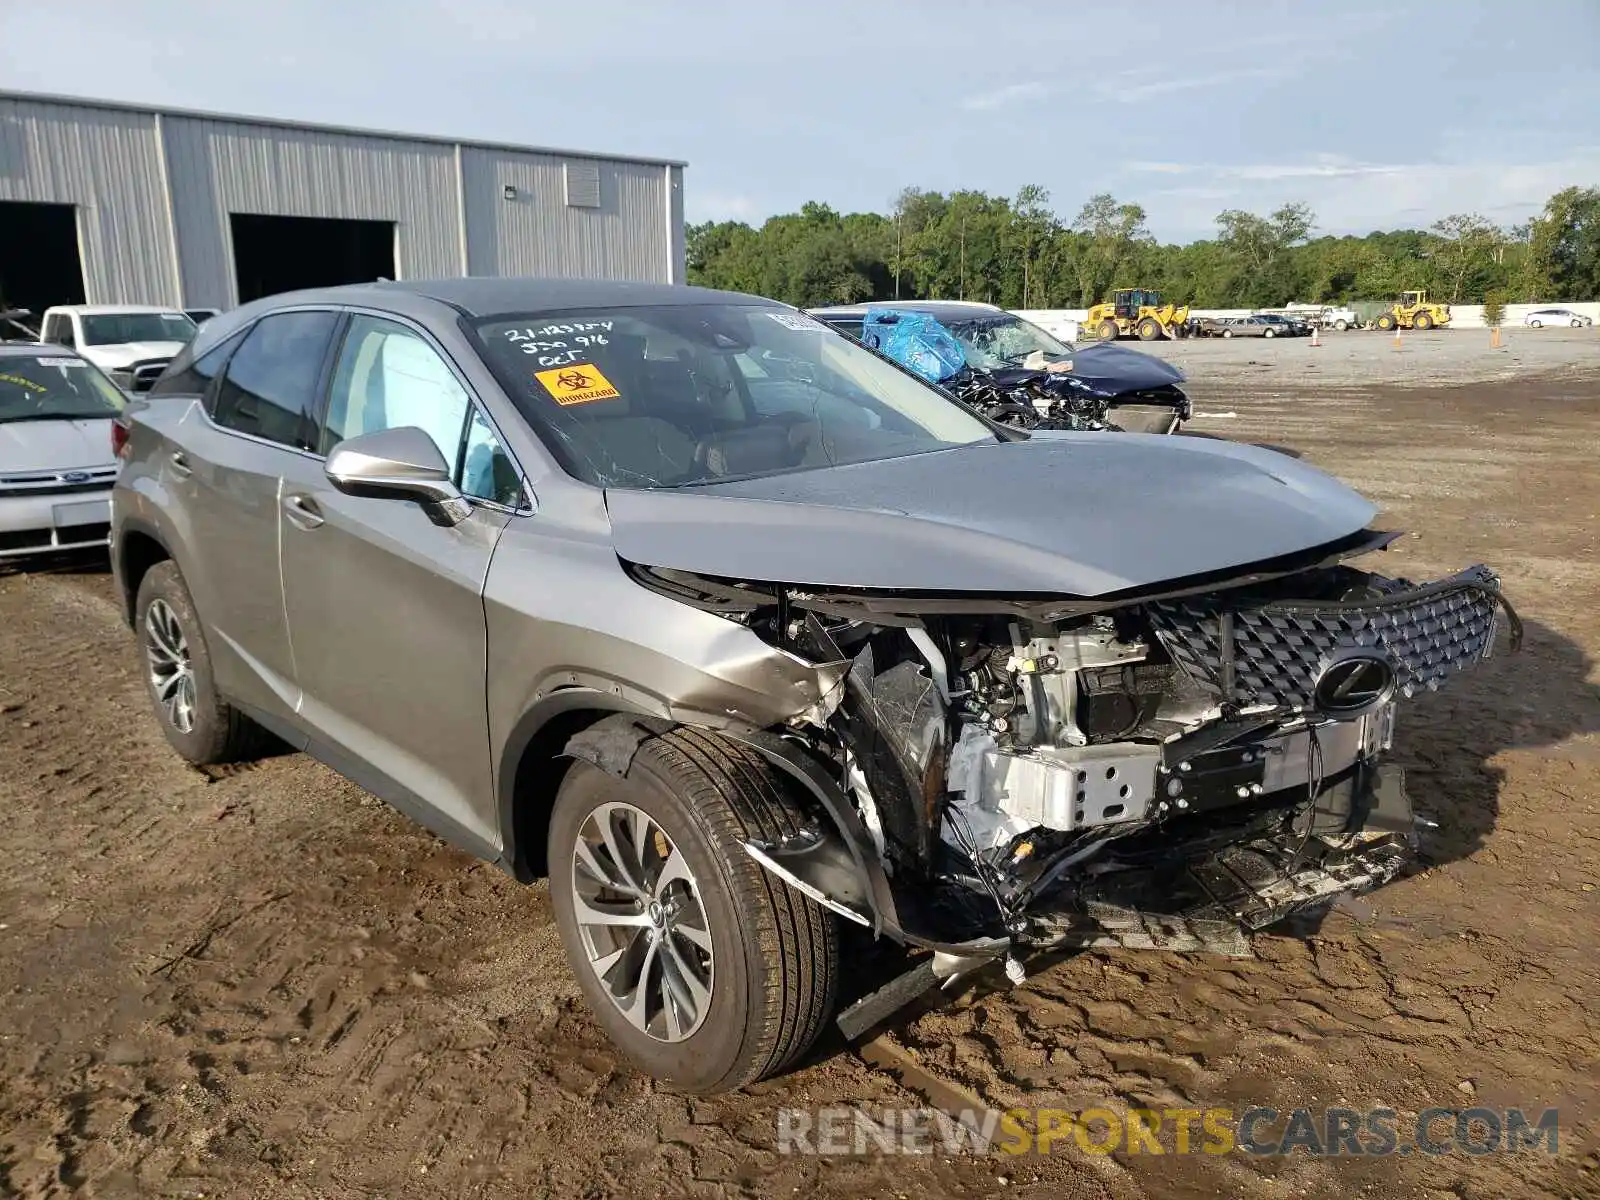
(39, 261)
(280, 254)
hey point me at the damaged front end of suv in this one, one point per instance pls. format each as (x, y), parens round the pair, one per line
(1171, 765)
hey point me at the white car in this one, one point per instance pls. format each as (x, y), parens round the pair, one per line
(1556, 316)
(132, 343)
(57, 462)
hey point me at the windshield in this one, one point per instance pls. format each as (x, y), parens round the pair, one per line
(678, 395)
(1004, 340)
(113, 329)
(54, 388)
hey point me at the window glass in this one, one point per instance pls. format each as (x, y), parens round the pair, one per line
(118, 329)
(187, 375)
(486, 470)
(677, 395)
(59, 330)
(270, 389)
(388, 378)
(54, 387)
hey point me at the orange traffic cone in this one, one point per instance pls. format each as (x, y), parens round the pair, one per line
(1397, 337)
(1494, 337)
(1315, 340)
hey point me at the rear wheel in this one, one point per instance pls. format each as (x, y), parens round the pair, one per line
(703, 969)
(1341, 325)
(1536, 324)
(1149, 329)
(1108, 330)
(200, 724)
(1227, 333)
(1577, 322)
(1269, 333)
(1424, 321)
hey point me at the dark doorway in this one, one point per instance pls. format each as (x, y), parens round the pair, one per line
(280, 254)
(39, 261)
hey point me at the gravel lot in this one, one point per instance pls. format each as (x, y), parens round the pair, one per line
(262, 983)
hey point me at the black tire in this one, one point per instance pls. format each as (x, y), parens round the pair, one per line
(775, 953)
(1341, 325)
(1269, 333)
(1577, 322)
(1387, 321)
(1108, 331)
(219, 732)
(1536, 324)
(1227, 333)
(1424, 321)
(1149, 329)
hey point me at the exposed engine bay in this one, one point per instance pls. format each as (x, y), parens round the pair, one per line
(1163, 770)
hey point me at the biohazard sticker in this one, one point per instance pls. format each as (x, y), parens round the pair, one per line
(576, 384)
(796, 321)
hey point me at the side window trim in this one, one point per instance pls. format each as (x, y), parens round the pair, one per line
(474, 404)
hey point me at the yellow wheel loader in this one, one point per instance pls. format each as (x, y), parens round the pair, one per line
(1412, 311)
(1137, 312)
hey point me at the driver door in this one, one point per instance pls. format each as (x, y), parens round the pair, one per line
(385, 608)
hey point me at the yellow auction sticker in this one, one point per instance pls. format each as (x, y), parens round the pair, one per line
(577, 384)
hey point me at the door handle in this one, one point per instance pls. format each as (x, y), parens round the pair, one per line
(180, 463)
(302, 511)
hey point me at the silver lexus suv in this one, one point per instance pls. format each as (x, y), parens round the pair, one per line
(740, 633)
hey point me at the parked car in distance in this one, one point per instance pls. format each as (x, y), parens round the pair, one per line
(738, 630)
(1141, 392)
(1285, 326)
(1248, 327)
(56, 458)
(132, 343)
(200, 315)
(1207, 326)
(1556, 316)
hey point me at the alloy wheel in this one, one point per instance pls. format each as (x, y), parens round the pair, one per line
(642, 922)
(171, 668)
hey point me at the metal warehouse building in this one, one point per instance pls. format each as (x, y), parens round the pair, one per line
(115, 203)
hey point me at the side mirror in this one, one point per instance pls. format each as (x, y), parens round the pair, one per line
(398, 464)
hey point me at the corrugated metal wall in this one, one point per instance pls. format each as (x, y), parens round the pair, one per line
(219, 167)
(154, 191)
(535, 232)
(107, 162)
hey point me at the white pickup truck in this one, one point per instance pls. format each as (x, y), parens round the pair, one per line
(132, 343)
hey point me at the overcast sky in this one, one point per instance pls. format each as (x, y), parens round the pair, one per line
(1377, 113)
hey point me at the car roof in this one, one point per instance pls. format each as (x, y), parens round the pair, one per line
(100, 310)
(479, 296)
(35, 350)
(941, 310)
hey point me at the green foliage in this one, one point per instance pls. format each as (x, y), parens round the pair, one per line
(1017, 253)
(1494, 306)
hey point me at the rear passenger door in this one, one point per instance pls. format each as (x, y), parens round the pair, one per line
(255, 422)
(385, 608)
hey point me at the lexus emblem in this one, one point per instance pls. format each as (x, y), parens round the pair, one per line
(1354, 684)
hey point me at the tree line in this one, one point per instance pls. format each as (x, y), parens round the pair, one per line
(1018, 253)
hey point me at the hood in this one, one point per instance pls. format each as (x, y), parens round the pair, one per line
(1112, 368)
(1079, 514)
(109, 358)
(55, 445)
(1107, 369)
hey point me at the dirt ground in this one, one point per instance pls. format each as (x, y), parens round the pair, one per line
(263, 983)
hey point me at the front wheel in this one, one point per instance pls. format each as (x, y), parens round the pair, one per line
(703, 969)
(1149, 329)
(1341, 325)
(1227, 333)
(1387, 322)
(1269, 333)
(1577, 322)
(1535, 324)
